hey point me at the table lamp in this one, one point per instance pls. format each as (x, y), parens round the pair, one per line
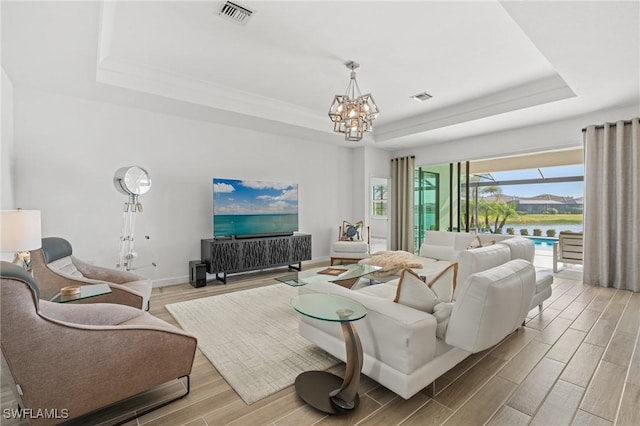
(20, 231)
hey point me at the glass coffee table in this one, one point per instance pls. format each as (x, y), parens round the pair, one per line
(321, 389)
(344, 275)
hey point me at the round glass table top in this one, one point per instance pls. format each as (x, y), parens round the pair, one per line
(328, 307)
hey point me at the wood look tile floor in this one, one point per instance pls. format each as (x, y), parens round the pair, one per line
(577, 362)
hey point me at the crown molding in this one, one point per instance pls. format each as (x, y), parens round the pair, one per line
(536, 92)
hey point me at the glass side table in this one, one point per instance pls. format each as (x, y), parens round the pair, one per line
(320, 389)
(86, 292)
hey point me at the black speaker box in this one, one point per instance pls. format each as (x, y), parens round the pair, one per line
(197, 273)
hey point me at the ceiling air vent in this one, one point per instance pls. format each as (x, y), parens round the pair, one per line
(421, 97)
(235, 12)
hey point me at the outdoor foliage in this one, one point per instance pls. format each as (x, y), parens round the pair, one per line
(492, 215)
(511, 231)
(551, 232)
(537, 232)
(524, 231)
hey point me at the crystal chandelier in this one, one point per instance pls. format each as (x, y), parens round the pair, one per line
(353, 113)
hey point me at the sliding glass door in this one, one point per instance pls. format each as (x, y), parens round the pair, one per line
(427, 203)
(440, 199)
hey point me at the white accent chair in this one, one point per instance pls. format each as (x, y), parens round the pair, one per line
(352, 251)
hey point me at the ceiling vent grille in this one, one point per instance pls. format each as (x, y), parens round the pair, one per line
(234, 12)
(421, 97)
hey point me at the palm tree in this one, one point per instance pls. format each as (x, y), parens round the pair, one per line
(507, 211)
(492, 191)
(485, 208)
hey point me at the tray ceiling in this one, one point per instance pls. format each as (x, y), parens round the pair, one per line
(488, 65)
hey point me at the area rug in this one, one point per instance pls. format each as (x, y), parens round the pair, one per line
(251, 337)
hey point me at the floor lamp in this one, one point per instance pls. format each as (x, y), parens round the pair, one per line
(20, 232)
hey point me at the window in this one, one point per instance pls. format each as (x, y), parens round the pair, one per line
(379, 199)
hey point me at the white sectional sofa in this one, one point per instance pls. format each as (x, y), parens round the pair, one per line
(441, 248)
(406, 349)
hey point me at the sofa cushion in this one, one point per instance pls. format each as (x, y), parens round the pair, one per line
(481, 259)
(462, 240)
(521, 248)
(442, 313)
(543, 280)
(349, 247)
(437, 252)
(439, 238)
(490, 305)
(382, 290)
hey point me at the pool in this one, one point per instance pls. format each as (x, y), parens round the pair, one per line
(543, 243)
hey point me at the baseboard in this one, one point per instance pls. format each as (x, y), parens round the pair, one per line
(164, 282)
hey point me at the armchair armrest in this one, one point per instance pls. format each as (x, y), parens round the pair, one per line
(94, 314)
(105, 274)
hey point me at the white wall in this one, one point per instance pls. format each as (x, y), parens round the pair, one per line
(67, 150)
(378, 165)
(7, 201)
(368, 162)
(358, 166)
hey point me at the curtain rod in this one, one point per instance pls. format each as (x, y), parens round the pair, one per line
(601, 126)
(400, 158)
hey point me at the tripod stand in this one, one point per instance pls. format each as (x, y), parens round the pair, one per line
(126, 256)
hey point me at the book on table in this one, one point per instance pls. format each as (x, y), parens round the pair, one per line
(333, 271)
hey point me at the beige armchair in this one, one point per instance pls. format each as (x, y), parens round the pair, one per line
(75, 359)
(54, 267)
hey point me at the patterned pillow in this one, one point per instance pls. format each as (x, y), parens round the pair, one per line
(424, 295)
(351, 232)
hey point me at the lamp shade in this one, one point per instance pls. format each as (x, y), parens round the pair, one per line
(20, 230)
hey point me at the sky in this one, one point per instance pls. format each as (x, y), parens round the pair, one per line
(233, 196)
(567, 189)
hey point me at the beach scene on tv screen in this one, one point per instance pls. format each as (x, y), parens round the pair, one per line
(248, 207)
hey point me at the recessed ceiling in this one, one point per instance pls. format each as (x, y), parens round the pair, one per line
(488, 65)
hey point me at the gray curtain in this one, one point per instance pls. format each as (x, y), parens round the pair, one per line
(612, 205)
(402, 237)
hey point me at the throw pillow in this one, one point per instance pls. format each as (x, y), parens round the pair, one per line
(415, 293)
(444, 282)
(351, 231)
(477, 243)
(412, 291)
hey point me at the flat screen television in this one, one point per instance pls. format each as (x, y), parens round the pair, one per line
(249, 208)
